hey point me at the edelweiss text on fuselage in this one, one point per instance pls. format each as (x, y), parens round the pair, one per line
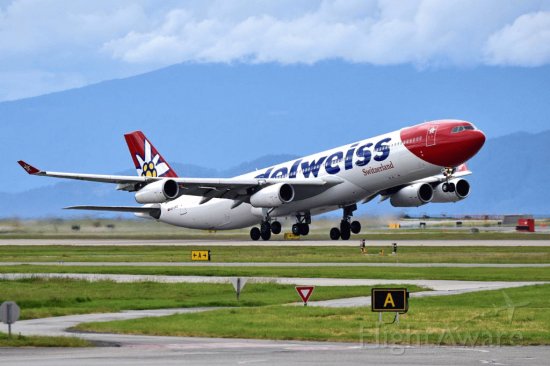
(331, 163)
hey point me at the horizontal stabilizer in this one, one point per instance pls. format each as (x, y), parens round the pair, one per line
(152, 211)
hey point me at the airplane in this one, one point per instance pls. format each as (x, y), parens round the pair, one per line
(411, 167)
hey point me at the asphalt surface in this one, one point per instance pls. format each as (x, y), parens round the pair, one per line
(436, 285)
(276, 264)
(200, 351)
(303, 242)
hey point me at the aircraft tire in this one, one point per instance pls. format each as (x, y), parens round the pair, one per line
(304, 229)
(265, 226)
(355, 227)
(276, 227)
(345, 235)
(255, 233)
(295, 229)
(266, 235)
(335, 233)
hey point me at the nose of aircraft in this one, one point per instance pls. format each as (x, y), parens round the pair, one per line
(443, 143)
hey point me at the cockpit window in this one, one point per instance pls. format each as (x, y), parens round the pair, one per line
(462, 128)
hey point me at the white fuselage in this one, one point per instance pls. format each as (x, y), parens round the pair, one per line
(364, 167)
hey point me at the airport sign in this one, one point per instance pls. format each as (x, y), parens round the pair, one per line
(305, 292)
(9, 312)
(200, 255)
(238, 284)
(390, 300)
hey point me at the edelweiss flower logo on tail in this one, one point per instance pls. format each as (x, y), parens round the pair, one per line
(147, 160)
(150, 167)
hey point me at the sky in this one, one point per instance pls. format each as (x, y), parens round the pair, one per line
(53, 45)
(294, 68)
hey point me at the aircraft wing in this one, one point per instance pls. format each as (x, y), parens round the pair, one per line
(461, 171)
(206, 187)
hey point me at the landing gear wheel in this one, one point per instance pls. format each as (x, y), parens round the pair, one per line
(345, 235)
(304, 229)
(335, 233)
(355, 227)
(345, 230)
(265, 226)
(296, 229)
(276, 227)
(255, 233)
(266, 235)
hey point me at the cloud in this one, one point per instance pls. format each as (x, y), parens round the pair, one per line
(424, 33)
(526, 42)
(88, 41)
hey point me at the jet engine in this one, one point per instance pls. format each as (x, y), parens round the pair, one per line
(415, 195)
(273, 196)
(452, 191)
(158, 192)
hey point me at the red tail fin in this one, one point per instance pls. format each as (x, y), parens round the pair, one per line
(147, 160)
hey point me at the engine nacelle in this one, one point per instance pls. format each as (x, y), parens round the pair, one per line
(412, 196)
(456, 190)
(273, 196)
(158, 192)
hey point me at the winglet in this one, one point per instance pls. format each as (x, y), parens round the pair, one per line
(462, 168)
(28, 168)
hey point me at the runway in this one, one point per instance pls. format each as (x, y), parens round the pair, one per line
(206, 351)
(280, 243)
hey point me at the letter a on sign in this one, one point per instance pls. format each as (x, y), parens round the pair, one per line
(389, 300)
(305, 292)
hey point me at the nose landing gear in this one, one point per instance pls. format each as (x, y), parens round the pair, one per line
(448, 174)
(347, 227)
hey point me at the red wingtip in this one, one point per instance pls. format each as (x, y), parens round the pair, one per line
(28, 168)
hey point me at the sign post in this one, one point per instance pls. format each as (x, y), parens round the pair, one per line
(9, 314)
(305, 292)
(394, 300)
(238, 284)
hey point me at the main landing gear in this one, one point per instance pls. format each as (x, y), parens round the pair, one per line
(347, 227)
(267, 227)
(302, 226)
(265, 230)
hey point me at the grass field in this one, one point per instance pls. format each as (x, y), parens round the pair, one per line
(519, 316)
(39, 298)
(433, 273)
(17, 340)
(264, 253)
